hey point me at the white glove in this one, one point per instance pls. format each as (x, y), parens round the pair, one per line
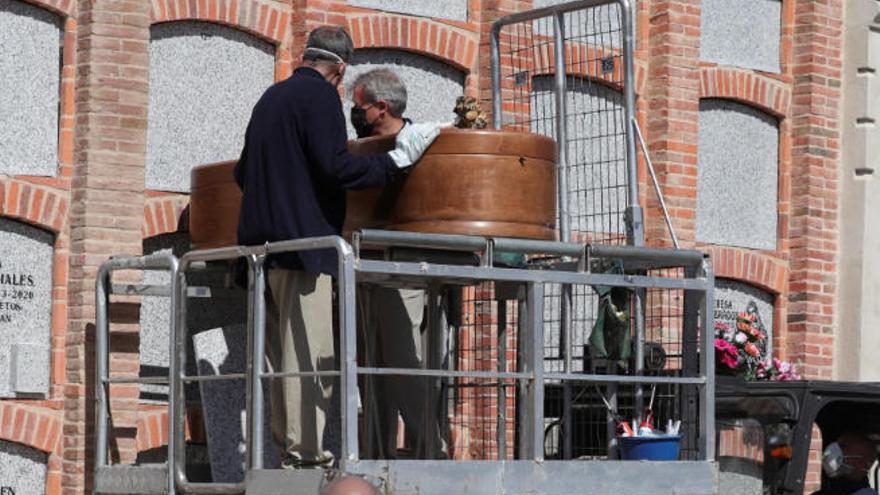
(412, 141)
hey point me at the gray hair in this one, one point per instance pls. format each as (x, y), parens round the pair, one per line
(383, 84)
(333, 39)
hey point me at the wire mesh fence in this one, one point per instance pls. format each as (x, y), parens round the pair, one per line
(595, 123)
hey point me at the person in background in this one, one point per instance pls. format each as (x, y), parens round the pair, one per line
(293, 172)
(846, 463)
(393, 318)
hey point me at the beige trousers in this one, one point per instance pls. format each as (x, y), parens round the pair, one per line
(394, 329)
(299, 337)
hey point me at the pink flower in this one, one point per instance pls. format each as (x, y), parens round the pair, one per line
(741, 338)
(726, 353)
(752, 349)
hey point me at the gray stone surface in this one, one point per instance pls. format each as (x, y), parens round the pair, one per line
(732, 297)
(737, 175)
(596, 151)
(455, 10)
(741, 33)
(25, 305)
(204, 81)
(222, 351)
(598, 26)
(30, 75)
(217, 346)
(431, 86)
(24, 379)
(155, 319)
(22, 469)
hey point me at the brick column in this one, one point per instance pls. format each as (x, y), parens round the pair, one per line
(673, 100)
(817, 74)
(105, 217)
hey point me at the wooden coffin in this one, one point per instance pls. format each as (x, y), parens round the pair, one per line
(492, 183)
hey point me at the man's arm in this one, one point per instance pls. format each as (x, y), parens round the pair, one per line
(325, 145)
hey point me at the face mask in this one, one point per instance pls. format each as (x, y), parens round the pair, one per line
(359, 122)
(833, 461)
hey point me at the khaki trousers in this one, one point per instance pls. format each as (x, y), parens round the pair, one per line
(394, 328)
(299, 337)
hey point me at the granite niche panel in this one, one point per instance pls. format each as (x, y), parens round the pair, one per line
(22, 469)
(733, 297)
(30, 48)
(25, 309)
(741, 33)
(455, 10)
(596, 151)
(431, 86)
(204, 82)
(737, 176)
(217, 344)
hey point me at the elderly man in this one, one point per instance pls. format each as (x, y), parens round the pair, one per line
(394, 317)
(846, 463)
(293, 173)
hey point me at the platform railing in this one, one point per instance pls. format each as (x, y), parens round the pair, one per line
(574, 267)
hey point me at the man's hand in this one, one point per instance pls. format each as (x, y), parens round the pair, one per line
(413, 140)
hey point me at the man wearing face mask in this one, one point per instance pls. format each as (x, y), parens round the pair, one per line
(293, 172)
(391, 317)
(846, 463)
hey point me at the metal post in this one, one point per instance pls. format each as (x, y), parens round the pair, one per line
(255, 362)
(348, 362)
(562, 208)
(172, 446)
(639, 368)
(707, 365)
(531, 341)
(177, 395)
(635, 231)
(496, 76)
(102, 365)
(501, 425)
(433, 360)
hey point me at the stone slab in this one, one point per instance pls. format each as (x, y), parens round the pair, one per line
(431, 86)
(221, 351)
(732, 297)
(738, 167)
(22, 469)
(25, 304)
(204, 81)
(455, 10)
(596, 151)
(25, 380)
(30, 48)
(741, 33)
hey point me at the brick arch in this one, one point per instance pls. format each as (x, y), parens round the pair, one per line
(36, 428)
(31, 203)
(422, 36)
(765, 93)
(265, 21)
(163, 215)
(64, 8)
(756, 269)
(152, 428)
(583, 60)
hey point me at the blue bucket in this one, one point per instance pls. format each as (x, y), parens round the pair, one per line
(659, 448)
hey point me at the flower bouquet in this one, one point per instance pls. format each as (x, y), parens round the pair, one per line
(739, 350)
(776, 370)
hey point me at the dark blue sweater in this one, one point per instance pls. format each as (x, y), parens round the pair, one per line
(295, 167)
